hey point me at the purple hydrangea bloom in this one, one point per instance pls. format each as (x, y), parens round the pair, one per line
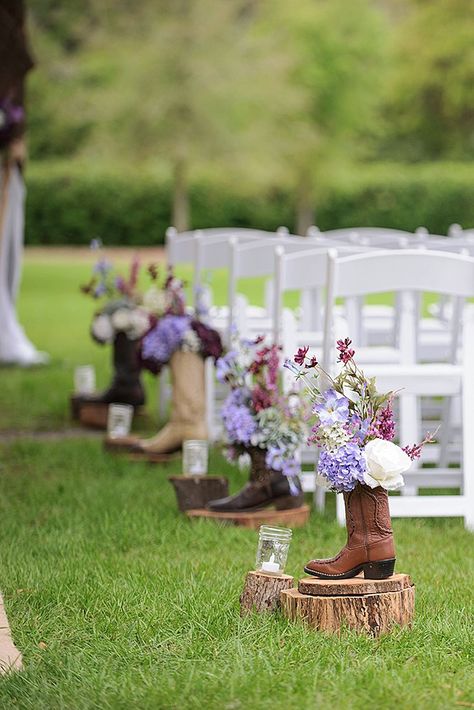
(342, 468)
(238, 420)
(334, 409)
(225, 365)
(279, 459)
(165, 338)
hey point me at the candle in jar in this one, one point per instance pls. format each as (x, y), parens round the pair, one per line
(271, 565)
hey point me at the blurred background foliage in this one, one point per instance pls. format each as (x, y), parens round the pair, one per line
(197, 107)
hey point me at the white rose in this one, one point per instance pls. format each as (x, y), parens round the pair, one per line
(385, 464)
(121, 319)
(154, 300)
(102, 329)
(139, 324)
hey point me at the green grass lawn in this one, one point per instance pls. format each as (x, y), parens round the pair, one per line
(117, 601)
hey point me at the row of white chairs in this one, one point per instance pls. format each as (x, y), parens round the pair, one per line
(324, 276)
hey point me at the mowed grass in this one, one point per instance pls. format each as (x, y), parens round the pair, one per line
(117, 601)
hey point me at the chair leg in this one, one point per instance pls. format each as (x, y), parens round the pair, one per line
(445, 433)
(319, 498)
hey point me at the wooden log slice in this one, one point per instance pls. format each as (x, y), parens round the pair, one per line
(10, 656)
(94, 415)
(373, 614)
(122, 445)
(262, 591)
(294, 518)
(196, 491)
(354, 586)
(149, 457)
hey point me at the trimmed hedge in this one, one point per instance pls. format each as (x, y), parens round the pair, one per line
(70, 206)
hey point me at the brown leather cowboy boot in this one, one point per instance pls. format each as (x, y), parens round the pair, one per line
(265, 487)
(188, 407)
(369, 546)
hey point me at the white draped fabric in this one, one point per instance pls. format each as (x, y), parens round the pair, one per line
(15, 348)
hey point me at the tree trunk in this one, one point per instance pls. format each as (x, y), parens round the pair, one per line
(369, 606)
(262, 591)
(305, 212)
(180, 196)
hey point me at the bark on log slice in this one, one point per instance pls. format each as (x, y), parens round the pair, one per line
(10, 656)
(122, 445)
(75, 402)
(354, 586)
(262, 591)
(294, 518)
(373, 613)
(149, 457)
(197, 491)
(94, 415)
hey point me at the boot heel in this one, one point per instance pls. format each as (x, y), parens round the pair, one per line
(289, 502)
(379, 570)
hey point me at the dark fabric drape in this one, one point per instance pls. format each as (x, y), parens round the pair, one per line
(15, 56)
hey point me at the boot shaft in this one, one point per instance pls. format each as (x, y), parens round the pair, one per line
(367, 515)
(189, 388)
(125, 360)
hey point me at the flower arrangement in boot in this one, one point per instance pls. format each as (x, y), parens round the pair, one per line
(180, 338)
(263, 423)
(354, 430)
(120, 320)
(176, 328)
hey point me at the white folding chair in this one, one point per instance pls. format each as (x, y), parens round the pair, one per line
(409, 273)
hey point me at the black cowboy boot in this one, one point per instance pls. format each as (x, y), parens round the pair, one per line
(265, 488)
(126, 386)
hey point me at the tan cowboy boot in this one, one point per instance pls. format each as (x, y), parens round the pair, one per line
(188, 407)
(369, 546)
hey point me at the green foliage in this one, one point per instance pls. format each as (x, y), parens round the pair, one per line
(429, 109)
(71, 206)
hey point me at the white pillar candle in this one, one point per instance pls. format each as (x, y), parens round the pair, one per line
(271, 565)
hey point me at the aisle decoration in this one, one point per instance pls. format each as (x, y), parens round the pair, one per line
(176, 327)
(354, 428)
(120, 320)
(262, 424)
(180, 338)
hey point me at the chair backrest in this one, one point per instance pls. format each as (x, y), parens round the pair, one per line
(407, 272)
(256, 259)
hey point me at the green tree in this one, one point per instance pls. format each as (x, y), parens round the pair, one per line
(340, 66)
(430, 109)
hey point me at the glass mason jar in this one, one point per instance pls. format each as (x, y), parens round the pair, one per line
(272, 551)
(119, 420)
(195, 457)
(84, 379)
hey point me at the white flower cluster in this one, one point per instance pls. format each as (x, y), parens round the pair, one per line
(132, 321)
(333, 437)
(155, 300)
(191, 342)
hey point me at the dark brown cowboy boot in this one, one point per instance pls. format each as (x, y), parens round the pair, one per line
(266, 487)
(126, 386)
(369, 546)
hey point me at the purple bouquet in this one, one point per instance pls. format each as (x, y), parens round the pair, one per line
(354, 425)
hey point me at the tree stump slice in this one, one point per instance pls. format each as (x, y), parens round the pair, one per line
(10, 656)
(294, 517)
(262, 592)
(353, 586)
(149, 457)
(196, 491)
(121, 445)
(368, 606)
(94, 415)
(75, 402)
